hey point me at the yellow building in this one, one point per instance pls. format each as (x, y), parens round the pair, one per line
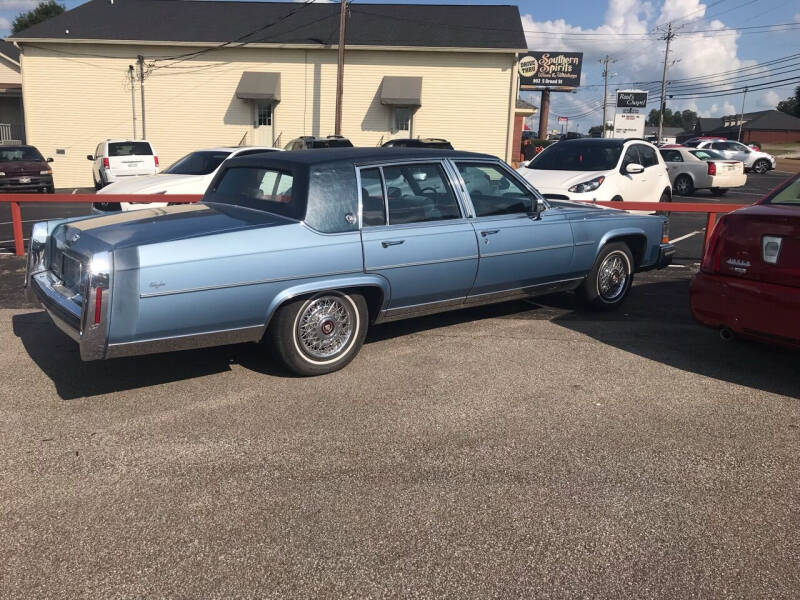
(263, 73)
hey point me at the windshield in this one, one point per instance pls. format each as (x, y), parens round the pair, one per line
(707, 154)
(270, 190)
(586, 156)
(198, 163)
(788, 195)
(335, 143)
(19, 153)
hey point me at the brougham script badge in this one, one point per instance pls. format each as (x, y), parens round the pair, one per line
(157, 284)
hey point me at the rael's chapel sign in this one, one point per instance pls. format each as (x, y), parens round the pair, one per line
(554, 70)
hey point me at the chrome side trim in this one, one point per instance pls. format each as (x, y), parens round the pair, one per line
(243, 283)
(539, 289)
(525, 250)
(186, 342)
(584, 243)
(423, 262)
(418, 310)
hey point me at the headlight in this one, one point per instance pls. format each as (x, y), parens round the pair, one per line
(587, 186)
(46, 172)
(2, 174)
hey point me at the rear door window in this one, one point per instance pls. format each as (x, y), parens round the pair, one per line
(418, 193)
(671, 156)
(129, 149)
(373, 202)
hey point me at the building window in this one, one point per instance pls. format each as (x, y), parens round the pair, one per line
(402, 118)
(263, 114)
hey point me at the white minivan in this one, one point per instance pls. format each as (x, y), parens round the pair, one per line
(117, 160)
(600, 169)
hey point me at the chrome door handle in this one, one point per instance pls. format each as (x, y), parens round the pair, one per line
(489, 232)
(388, 243)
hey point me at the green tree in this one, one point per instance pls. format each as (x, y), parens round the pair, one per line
(43, 11)
(791, 106)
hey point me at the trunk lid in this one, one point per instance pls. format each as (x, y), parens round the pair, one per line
(741, 245)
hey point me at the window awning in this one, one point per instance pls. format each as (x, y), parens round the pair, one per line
(259, 86)
(401, 91)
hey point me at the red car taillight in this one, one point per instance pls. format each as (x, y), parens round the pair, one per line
(98, 304)
(712, 261)
(105, 163)
(712, 168)
(155, 158)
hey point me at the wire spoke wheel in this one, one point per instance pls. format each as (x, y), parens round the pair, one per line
(612, 277)
(325, 327)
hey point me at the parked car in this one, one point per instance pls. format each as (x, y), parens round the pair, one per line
(436, 143)
(190, 174)
(692, 169)
(749, 280)
(600, 169)
(24, 169)
(306, 250)
(116, 160)
(754, 160)
(310, 142)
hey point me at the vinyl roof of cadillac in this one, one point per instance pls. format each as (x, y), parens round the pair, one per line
(286, 23)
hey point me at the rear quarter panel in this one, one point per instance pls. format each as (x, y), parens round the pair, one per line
(223, 281)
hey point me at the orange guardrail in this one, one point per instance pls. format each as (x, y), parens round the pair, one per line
(15, 200)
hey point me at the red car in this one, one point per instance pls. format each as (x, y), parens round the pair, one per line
(749, 281)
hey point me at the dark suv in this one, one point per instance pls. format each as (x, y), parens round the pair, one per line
(24, 169)
(310, 142)
(437, 143)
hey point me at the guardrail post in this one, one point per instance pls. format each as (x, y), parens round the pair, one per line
(16, 223)
(711, 222)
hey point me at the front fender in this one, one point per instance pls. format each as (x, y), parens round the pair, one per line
(331, 283)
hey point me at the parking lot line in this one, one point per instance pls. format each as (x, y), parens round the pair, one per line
(685, 237)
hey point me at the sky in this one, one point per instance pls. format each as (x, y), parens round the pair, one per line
(706, 44)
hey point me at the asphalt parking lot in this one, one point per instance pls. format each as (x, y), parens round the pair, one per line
(520, 450)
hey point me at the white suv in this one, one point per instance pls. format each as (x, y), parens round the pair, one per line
(754, 160)
(116, 160)
(600, 169)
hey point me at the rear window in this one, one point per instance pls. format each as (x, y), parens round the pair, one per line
(198, 163)
(269, 190)
(707, 154)
(788, 195)
(20, 153)
(129, 149)
(693, 144)
(331, 144)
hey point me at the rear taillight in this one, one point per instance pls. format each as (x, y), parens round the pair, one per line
(712, 260)
(712, 168)
(105, 163)
(98, 304)
(155, 158)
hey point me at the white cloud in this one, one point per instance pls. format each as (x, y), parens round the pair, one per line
(768, 99)
(717, 111)
(5, 26)
(797, 18)
(18, 4)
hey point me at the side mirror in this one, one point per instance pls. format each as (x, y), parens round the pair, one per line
(538, 209)
(50, 159)
(89, 157)
(634, 168)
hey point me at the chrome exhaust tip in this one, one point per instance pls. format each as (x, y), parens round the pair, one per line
(726, 334)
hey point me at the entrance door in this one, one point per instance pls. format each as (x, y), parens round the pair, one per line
(262, 124)
(402, 121)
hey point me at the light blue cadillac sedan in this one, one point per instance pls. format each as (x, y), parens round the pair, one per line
(306, 250)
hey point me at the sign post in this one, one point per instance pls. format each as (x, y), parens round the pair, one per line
(629, 117)
(546, 72)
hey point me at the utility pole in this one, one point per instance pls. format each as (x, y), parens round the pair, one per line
(140, 59)
(741, 118)
(133, 97)
(668, 37)
(544, 111)
(605, 62)
(337, 129)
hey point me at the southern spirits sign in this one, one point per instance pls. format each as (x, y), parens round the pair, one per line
(550, 70)
(629, 117)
